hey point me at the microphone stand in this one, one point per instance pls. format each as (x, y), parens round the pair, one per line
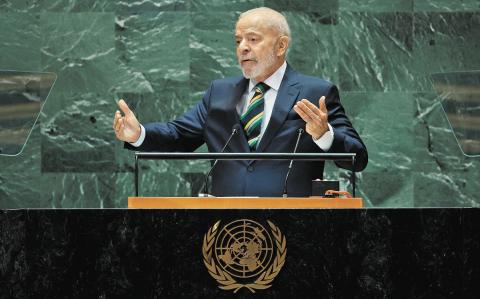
(205, 184)
(285, 194)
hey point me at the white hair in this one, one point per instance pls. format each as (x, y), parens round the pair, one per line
(279, 23)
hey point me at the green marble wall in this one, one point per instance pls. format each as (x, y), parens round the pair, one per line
(161, 55)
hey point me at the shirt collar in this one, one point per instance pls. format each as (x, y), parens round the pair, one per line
(273, 81)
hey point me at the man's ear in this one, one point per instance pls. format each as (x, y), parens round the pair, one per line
(282, 45)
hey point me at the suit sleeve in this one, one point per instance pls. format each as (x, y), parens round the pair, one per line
(184, 134)
(346, 139)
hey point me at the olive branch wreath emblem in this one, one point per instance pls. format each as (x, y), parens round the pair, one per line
(226, 281)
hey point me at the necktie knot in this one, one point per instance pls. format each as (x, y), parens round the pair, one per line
(261, 88)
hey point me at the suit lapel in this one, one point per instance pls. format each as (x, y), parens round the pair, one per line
(287, 94)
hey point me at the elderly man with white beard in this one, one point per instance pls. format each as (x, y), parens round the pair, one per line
(269, 104)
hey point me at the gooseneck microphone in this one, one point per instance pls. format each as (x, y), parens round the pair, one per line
(300, 132)
(235, 130)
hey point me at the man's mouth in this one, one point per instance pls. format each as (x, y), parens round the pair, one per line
(248, 60)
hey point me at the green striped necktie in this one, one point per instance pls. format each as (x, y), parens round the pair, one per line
(252, 118)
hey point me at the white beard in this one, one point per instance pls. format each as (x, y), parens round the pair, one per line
(260, 68)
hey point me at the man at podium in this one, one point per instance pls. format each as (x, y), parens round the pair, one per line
(265, 110)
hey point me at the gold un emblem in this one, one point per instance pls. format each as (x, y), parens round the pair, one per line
(242, 254)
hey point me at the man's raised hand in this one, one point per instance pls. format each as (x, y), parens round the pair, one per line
(315, 117)
(126, 126)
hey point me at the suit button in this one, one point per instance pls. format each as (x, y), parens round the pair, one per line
(250, 168)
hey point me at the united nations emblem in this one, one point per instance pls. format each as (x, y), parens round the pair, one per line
(242, 254)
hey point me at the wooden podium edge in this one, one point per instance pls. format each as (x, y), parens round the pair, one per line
(243, 203)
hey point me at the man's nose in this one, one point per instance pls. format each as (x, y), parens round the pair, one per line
(243, 47)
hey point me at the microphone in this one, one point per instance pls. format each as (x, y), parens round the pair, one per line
(235, 130)
(300, 132)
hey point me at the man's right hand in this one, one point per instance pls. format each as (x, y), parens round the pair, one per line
(126, 126)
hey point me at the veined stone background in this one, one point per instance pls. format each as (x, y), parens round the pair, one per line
(160, 55)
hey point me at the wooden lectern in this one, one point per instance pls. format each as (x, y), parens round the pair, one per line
(243, 203)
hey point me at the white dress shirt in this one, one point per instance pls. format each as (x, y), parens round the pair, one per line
(274, 81)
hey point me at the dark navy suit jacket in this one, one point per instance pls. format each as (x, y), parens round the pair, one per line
(211, 122)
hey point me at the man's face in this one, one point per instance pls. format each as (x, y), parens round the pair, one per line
(257, 48)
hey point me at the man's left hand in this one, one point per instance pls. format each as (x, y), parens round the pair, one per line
(315, 117)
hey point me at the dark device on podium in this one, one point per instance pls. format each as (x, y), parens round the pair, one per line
(320, 187)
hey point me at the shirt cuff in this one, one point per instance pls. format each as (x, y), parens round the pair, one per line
(140, 139)
(325, 142)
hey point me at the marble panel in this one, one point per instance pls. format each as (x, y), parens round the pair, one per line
(385, 124)
(445, 177)
(375, 51)
(312, 48)
(93, 6)
(324, 12)
(376, 5)
(212, 48)
(446, 5)
(77, 133)
(325, 7)
(20, 175)
(79, 48)
(228, 6)
(161, 55)
(20, 41)
(444, 42)
(82, 190)
(59, 190)
(160, 179)
(57, 5)
(23, 189)
(155, 44)
(151, 6)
